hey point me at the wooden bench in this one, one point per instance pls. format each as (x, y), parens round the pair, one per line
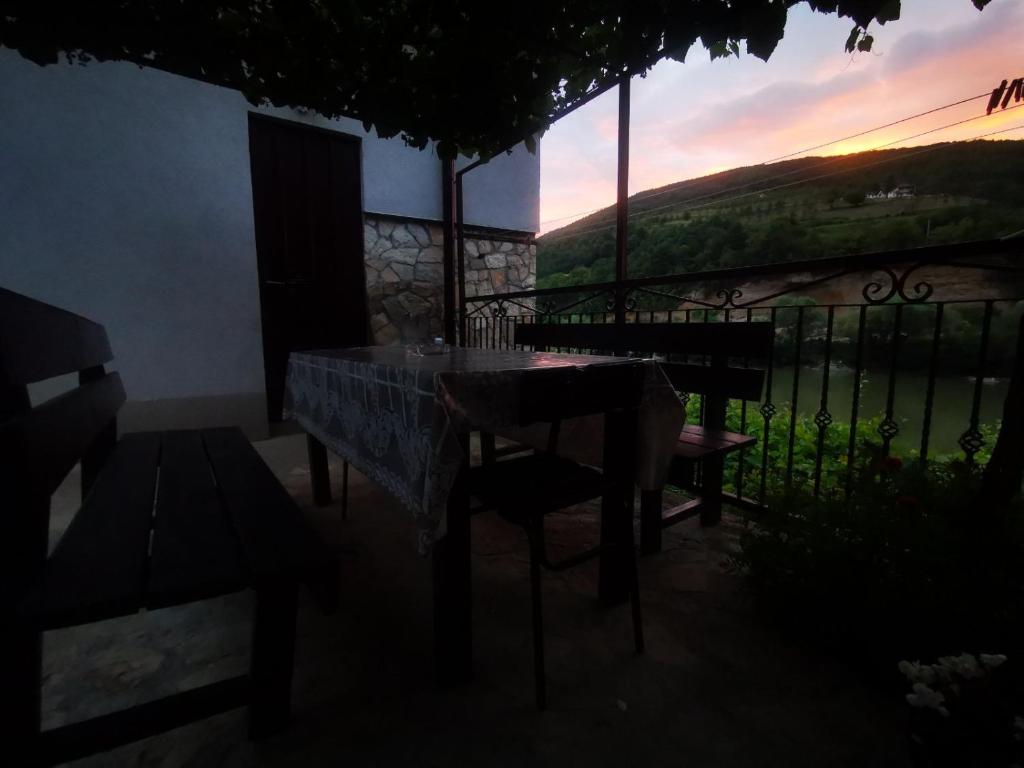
(166, 518)
(703, 445)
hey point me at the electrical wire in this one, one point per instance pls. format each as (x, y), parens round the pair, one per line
(686, 184)
(677, 206)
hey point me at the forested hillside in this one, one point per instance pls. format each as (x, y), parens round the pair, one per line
(801, 209)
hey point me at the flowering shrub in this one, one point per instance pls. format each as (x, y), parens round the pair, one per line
(834, 453)
(964, 712)
(912, 566)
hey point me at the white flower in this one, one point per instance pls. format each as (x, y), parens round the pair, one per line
(992, 660)
(409, 50)
(916, 672)
(964, 665)
(925, 697)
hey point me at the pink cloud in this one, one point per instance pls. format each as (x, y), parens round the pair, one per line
(694, 119)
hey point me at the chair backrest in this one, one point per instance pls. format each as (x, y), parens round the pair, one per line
(717, 342)
(551, 395)
(40, 445)
(548, 394)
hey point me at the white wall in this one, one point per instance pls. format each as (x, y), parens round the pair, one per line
(125, 195)
(504, 192)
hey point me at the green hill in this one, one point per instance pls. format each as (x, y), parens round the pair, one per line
(800, 209)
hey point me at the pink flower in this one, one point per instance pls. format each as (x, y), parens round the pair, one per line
(892, 464)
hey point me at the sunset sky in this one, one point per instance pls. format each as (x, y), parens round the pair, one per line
(701, 116)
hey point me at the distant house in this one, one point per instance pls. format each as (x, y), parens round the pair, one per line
(903, 190)
(210, 236)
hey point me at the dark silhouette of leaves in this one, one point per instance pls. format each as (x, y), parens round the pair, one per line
(474, 77)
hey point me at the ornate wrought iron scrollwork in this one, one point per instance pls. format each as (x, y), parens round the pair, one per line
(881, 278)
(628, 301)
(971, 442)
(922, 289)
(823, 419)
(877, 292)
(872, 289)
(500, 310)
(728, 297)
(889, 428)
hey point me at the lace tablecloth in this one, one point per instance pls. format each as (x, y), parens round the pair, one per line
(396, 417)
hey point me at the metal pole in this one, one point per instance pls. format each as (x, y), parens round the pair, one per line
(449, 237)
(460, 251)
(622, 202)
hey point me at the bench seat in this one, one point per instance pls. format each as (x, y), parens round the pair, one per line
(697, 442)
(167, 518)
(170, 520)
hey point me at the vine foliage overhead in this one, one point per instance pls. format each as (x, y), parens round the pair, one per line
(476, 77)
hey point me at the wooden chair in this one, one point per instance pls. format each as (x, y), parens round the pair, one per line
(167, 518)
(703, 445)
(525, 489)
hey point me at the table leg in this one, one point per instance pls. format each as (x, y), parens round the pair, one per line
(319, 474)
(486, 447)
(712, 478)
(650, 521)
(453, 617)
(617, 508)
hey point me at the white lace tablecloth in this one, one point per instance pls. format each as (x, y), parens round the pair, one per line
(396, 417)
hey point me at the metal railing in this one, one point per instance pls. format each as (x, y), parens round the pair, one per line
(903, 349)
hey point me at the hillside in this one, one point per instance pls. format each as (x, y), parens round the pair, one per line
(800, 209)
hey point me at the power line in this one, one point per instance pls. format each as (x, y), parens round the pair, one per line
(822, 164)
(676, 205)
(872, 130)
(573, 215)
(685, 185)
(869, 165)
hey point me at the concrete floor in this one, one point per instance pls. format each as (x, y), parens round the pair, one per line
(716, 687)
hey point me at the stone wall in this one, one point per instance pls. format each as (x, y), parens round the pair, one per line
(499, 267)
(405, 275)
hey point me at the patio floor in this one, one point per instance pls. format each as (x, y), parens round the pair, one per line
(715, 688)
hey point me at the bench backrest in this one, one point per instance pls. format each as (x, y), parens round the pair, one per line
(719, 343)
(40, 445)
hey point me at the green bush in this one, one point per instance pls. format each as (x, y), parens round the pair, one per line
(834, 451)
(911, 566)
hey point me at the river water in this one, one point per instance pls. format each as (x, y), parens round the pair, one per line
(950, 414)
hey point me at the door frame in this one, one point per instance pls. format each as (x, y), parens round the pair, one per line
(260, 117)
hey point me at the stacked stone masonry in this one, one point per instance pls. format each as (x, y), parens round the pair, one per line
(405, 275)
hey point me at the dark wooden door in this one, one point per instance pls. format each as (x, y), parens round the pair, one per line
(307, 200)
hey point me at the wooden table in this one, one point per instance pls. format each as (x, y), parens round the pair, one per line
(404, 421)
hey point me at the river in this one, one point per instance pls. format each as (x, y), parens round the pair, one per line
(951, 411)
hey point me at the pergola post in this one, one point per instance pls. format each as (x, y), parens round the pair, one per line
(622, 202)
(448, 248)
(460, 257)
